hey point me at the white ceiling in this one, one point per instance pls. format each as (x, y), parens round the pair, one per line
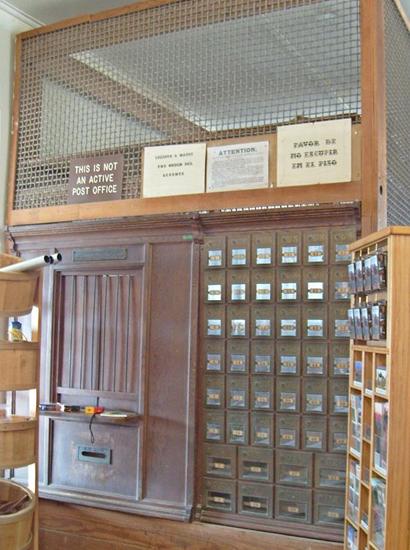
(50, 11)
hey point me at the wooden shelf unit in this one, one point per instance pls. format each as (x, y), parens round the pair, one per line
(379, 434)
(19, 371)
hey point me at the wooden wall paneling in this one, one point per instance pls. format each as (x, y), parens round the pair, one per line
(373, 82)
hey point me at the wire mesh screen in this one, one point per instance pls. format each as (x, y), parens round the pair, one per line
(397, 55)
(189, 71)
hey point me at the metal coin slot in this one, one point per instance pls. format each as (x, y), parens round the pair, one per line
(97, 455)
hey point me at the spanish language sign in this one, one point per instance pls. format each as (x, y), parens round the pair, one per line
(239, 166)
(317, 152)
(174, 170)
(95, 179)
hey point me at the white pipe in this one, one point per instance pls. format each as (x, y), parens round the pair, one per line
(56, 258)
(40, 261)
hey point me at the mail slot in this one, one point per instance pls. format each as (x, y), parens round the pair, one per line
(255, 499)
(255, 464)
(96, 455)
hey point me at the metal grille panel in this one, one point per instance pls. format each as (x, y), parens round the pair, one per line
(190, 71)
(397, 55)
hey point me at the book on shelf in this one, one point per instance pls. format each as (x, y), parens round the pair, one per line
(378, 512)
(381, 419)
(356, 422)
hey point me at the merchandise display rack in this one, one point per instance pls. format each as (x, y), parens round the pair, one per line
(19, 371)
(378, 479)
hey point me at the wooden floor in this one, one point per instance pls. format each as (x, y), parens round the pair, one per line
(68, 527)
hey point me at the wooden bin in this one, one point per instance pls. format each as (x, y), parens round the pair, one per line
(16, 529)
(17, 441)
(17, 290)
(18, 365)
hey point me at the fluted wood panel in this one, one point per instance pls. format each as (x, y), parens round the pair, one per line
(101, 331)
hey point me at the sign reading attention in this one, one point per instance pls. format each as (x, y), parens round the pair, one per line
(174, 170)
(317, 152)
(95, 179)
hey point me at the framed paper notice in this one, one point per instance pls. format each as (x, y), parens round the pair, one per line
(239, 166)
(317, 152)
(174, 170)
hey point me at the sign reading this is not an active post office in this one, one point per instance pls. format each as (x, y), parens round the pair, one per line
(95, 179)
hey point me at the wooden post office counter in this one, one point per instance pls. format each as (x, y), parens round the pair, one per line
(226, 336)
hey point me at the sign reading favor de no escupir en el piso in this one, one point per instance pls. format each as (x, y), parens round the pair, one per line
(316, 152)
(95, 179)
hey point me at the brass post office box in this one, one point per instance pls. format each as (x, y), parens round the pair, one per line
(288, 321)
(339, 359)
(314, 396)
(329, 508)
(237, 425)
(315, 246)
(337, 435)
(289, 284)
(237, 356)
(262, 429)
(214, 321)
(262, 358)
(239, 251)
(220, 460)
(314, 359)
(262, 394)
(339, 321)
(238, 321)
(219, 494)
(214, 252)
(214, 426)
(214, 287)
(289, 247)
(237, 395)
(315, 284)
(339, 399)
(314, 433)
(293, 504)
(288, 358)
(263, 286)
(315, 321)
(339, 284)
(255, 464)
(263, 249)
(294, 468)
(287, 395)
(238, 286)
(255, 499)
(262, 321)
(214, 392)
(330, 471)
(340, 238)
(287, 431)
(214, 356)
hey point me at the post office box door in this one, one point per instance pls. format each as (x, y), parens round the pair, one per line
(214, 356)
(315, 285)
(289, 285)
(214, 252)
(340, 238)
(339, 284)
(315, 359)
(288, 358)
(263, 249)
(315, 321)
(289, 248)
(287, 397)
(237, 425)
(315, 246)
(237, 395)
(339, 359)
(288, 321)
(263, 322)
(330, 471)
(294, 468)
(214, 426)
(262, 429)
(293, 505)
(314, 433)
(337, 435)
(262, 360)
(255, 499)
(238, 251)
(238, 285)
(220, 460)
(237, 356)
(287, 431)
(314, 396)
(214, 321)
(238, 321)
(339, 400)
(214, 392)
(214, 287)
(255, 464)
(329, 509)
(262, 394)
(339, 321)
(263, 286)
(220, 495)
